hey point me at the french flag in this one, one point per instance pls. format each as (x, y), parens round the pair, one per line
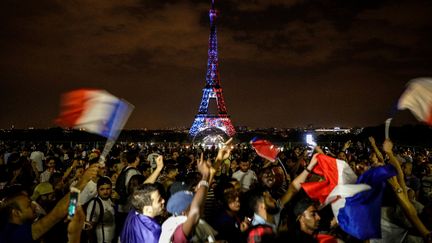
(418, 99)
(339, 180)
(95, 111)
(265, 149)
(356, 203)
(361, 216)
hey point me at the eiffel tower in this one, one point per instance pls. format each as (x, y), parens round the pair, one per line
(212, 115)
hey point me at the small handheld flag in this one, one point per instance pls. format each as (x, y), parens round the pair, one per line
(95, 111)
(265, 149)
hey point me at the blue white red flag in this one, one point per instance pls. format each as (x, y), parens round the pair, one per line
(265, 149)
(361, 215)
(95, 111)
(339, 181)
(418, 99)
(356, 203)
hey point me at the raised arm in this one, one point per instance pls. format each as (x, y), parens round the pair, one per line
(388, 149)
(409, 209)
(198, 200)
(69, 170)
(346, 146)
(75, 226)
(159, 166)
(376, 150)
(58, 213)
(295, 185)
(223, 154)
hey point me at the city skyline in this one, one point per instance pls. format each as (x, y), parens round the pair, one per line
(282, 63)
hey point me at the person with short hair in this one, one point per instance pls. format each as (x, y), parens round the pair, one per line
(307, 220)
(245, 175)
(102, 220)
(18, 212)
(140, 224)
(50, 169)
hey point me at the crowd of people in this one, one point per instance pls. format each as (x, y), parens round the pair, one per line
(178, 193)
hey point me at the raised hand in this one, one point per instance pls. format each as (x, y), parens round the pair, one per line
(347, 145)
(159, 162)
(203, 166)
(225, 151)
(313, 162)
(89, 174)
(372, 140)
(388, 146)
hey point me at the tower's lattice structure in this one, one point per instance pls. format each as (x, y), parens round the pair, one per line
(212, 92)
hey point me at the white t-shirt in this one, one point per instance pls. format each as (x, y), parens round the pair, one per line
(246, 179)
(89, 192)
(45, 176)
(108, 220)
(38, 157)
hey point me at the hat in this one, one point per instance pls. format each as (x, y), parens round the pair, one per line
(179, 202)
(42, 189)
(302, 205)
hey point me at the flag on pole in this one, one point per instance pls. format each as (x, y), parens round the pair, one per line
(265, 149)
(95, 111)
(418, 99)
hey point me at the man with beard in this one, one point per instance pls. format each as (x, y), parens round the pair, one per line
(267, 210)
(140, 224)
(307, 220)
(17, 212)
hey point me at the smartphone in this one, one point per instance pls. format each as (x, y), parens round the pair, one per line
(310, 140)
(73, 200)
(311, 144)
(153, 163)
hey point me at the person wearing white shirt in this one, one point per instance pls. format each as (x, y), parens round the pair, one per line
(38, 157)
(245, 175)
(100, 212)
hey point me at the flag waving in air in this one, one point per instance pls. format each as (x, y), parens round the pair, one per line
(356, 203)
(265, 149)
(418, 99)
(339, 180)
(95, 111)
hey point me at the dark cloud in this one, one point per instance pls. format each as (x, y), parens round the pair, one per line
(282, 63)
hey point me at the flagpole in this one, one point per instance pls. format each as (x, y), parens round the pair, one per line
(108, 146)
(284, 169)
(387, 128)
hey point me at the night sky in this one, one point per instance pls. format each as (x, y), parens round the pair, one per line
(282, 63)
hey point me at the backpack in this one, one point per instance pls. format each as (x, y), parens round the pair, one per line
(90, 235)
(120, 186)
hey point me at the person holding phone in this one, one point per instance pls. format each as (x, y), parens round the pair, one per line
(18, 212)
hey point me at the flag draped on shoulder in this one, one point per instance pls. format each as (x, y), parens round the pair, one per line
(265, 149)
(95, 111)
(418, 99)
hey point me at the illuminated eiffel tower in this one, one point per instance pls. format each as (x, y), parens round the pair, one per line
(212, 115)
